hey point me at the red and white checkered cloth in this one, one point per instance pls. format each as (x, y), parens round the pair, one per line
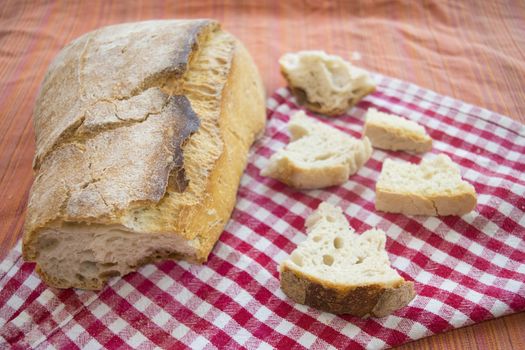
(466, 269)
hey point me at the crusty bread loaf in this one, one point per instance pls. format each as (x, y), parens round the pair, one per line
(391, 132)
(325, 83)
(433, 187)
(142, 135)
(317, 156)
(338, 271)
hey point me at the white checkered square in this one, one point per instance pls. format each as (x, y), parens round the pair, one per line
(199, 343)
(202, 309)
(474, 296)
(415, 243)
(180, 331)
(75, 331)
(141, 304)
(118, 326)
(94, 344)
(417, 330)
(284, 327)
(513, 285)
(161, 318)
(439, 256)
(15, 301)
(499, 308)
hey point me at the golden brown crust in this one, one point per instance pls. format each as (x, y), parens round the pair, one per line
(458, 204)
(383, 137)
(408, 204)
(204, 85)
(294, 176)
(372, 300)
(413, 204)
(242, 120)
(82, 181)
(102, 67)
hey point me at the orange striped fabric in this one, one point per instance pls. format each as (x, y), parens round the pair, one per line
(470, 50)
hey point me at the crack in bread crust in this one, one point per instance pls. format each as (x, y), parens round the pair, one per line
(132, 165)
(99, 66)
(203, 86)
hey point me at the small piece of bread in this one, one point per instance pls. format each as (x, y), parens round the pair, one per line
(325, 83)
(338, 271)
(317, 156)
(389, 131)
(433, 188)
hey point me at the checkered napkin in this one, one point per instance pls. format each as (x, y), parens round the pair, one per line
(466, 269)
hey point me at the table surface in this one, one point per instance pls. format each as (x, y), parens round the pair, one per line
(473, 51)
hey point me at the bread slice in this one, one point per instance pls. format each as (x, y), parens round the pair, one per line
(338, 271)
(317, 156)
(325, 83)
(142, 135)
(433, 187)
(391, 132)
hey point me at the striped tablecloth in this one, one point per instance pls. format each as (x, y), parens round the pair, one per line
(466, 269)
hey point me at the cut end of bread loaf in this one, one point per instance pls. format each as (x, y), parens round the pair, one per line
(433, 187)
(338, 271)
(391, 132)
(318, 155)
(325, 83)
(87, 256)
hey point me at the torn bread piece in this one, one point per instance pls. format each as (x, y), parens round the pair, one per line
(391, 132)
(338, 271)
(325, 83)
(433, 187)
(317, 156)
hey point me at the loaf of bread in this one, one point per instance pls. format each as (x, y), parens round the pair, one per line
(391, 132)
(317, 156)
(338, 271)
(433, 188)
(325, 83)
(142, 135)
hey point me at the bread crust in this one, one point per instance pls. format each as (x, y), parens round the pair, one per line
(396, 140)
(242, 121)
(373, 300)
(414, 204)
(220, 110)
(294, 176)
(96, 70)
